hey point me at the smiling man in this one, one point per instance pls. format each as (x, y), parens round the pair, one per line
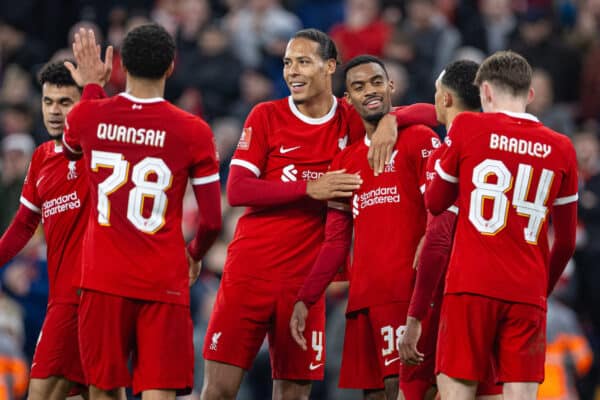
(388, 215)
(55, 194)
(279, 171)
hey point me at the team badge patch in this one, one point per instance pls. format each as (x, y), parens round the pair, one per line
(244, 143)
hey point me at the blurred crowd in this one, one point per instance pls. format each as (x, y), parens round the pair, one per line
(229, 59)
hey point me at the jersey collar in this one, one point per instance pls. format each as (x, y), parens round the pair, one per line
(139, 100)
(309, 120)
(513, 114)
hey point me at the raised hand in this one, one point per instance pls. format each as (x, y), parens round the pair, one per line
(90, 67)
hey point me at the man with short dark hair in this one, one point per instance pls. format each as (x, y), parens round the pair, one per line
(511, 173)
(140, 152)
(279, 171)
(55, 194)
(455, 93)
(388, 215)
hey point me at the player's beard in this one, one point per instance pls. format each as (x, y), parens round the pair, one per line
(374, 118)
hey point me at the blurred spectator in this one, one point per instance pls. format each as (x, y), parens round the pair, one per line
(554, 116)
(589, 100)
(194, 15)
(16, 47)
(13, 365)
(587, 255)
(16, 153)
(260, 31)
(568, 354)
(362, 31)
(254, 88)
(25, 280)
(398, 74)
(165, 13)
(16, 86)
(213, 70)
(493, 28)
(434, 43)
(537, 43)
(319, 14)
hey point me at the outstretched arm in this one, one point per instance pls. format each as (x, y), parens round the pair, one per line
(18, 233)
(244, 188)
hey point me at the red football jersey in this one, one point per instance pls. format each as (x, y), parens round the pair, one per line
(279, 143)
(140, 154)
(57, 189)
(389, 218)
(511, 171)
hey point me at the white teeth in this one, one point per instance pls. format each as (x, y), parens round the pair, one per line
(297, 84)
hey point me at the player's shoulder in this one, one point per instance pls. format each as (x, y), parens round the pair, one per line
(419, 135)
(465, 119)
(44, 150)
(416, 130)
(270, 106)
(349, 152)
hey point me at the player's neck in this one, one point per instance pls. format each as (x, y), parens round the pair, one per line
(451, 114)
(506, 103)
(145, 88)
(369, 128)
(317, 107)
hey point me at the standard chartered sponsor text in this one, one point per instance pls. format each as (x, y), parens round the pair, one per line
(381, 195)
(60, 204)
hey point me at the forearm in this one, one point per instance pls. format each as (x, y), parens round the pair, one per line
(432, 263)
(333, 254)
(18, 233)
(245, 189)
(565, 225)
(414, 114)
(440, 195)
(208, 198)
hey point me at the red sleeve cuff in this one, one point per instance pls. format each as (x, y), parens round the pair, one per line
(93, 91)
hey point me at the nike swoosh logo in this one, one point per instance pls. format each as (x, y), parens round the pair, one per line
(283, 150)
(390, 361)
(315, 366)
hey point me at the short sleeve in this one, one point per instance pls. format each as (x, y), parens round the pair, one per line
(447, 167)
(205, 167)
(567, 192)
(425, 142)
(253, 147)
(71, 138)
(30, 197)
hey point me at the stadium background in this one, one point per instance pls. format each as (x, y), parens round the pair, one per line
(229, 59)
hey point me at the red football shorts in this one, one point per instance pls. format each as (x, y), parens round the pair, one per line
(415, 381)
(57, 350)
(473, 327)
(157, 335)
(370, 346)
(246, 311)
